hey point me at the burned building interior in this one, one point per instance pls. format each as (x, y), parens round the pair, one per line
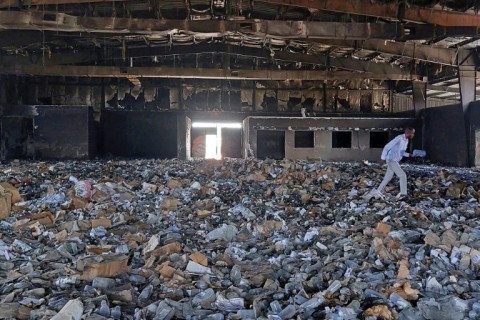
(277, 84)
(84, 79)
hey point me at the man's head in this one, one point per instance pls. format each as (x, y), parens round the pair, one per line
(409, 133)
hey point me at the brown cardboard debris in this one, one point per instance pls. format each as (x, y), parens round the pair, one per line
(403, 270)
(165, 270)
(204, 213)
(432, 239)
(45, 217)
(404, 290)
(166, 250)
(380, 311)
(5, 204)
(200, 258)
(455, 190)
(383, 229)
(11, 189)
(61, 236)
(170, 204)
(108, 265)
(172, 184)
(106, 223)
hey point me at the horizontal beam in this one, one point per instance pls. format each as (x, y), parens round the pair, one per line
(191, 73)
(86, 56)
(24, 3)
(388, 10)
(60, 22)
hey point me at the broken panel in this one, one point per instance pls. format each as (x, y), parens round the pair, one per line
(378, 139)
(341, 139)
(304, 139)
(270, 144)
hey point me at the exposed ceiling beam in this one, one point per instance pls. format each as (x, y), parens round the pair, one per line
(412, 50)
(444, 88)
(192, 73)
(24, 3)
(85, 56)
(388, 10)
(346, 63)
(60, 22)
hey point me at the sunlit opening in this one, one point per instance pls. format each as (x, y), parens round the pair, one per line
(210, 146)
(213, 143)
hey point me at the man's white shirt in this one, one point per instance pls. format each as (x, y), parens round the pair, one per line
(395, 149)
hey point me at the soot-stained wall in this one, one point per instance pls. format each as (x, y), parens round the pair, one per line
(139, 134)
(445, 135)
(473, 125)
(63, 132)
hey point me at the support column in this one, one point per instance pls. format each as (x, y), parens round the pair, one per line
(467, 77)
(419, 96)
(420, 103)
(467, 64)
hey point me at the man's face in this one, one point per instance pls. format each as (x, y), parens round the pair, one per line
(409, 134)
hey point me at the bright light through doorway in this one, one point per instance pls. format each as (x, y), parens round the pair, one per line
(213, 143)
(211, 146)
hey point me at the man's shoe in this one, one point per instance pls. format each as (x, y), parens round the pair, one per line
(374, 194)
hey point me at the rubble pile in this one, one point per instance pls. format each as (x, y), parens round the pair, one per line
(236, 239)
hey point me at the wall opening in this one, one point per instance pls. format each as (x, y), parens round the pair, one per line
(341, 139)
(216, 140)
(304, 139)
(378, 139)
(270, 144)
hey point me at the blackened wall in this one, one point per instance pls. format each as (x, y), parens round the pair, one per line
(62, 132)
(445, 135)
(144, 134)
(473, 125)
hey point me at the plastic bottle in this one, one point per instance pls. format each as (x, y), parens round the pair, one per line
(334, 287)
(399, 301)
(66, 282)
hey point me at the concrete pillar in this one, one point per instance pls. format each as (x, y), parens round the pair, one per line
(419, 96)
(184, 129)
(467, 76)
(467, 64)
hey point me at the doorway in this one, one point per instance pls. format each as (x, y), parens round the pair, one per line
(216, 140)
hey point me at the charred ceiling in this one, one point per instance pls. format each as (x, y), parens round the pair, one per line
(330, 43)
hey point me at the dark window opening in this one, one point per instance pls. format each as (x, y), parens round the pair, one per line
(378, 139)
(270, 144)
(341, 139)
(304, 139)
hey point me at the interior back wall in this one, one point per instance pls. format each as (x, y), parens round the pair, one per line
(144, 134)
(445, 135)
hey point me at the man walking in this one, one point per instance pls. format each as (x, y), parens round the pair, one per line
(392, 153)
